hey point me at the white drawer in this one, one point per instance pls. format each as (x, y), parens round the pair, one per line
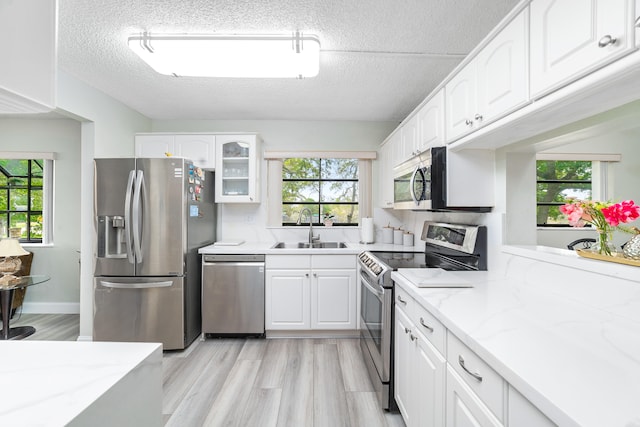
(486, 383)
(430, 327)
(288, 262)
(404, 301)
(333, 261)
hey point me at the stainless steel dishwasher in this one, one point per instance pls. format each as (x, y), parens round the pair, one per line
(233, 295)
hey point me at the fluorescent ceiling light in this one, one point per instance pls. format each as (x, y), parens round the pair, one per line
(295, 55)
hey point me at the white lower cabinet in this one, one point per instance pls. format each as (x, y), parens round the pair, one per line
(464, 407)
(459, 390)
(304, 293)
(419, 375)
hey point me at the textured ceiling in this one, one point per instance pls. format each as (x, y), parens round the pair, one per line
(379, 58)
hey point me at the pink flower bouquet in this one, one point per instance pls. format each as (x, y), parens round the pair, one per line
(604, 216)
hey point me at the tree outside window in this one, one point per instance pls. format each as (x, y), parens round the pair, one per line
(21, 199)
(557, 180)
(327, 187)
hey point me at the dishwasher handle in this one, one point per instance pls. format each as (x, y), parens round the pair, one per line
(235, 258)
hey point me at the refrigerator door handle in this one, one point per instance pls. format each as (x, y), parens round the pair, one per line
(127, 216)
(137, 216)
(136, 285)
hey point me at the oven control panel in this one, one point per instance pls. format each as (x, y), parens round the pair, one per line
(371, 263)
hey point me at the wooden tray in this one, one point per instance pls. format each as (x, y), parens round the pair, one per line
(617, 258)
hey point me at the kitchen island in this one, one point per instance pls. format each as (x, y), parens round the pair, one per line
(567, 340)
(94, 384)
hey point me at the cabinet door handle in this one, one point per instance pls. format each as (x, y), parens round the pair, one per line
(407, 330)
(478, 117)
(607, 40)
(315, 274)
(401, 300)
(413, 337)
(429, 328)
(306, 274)
(477, 377)
(468, 122)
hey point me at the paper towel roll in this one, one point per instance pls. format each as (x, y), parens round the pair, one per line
(366, 230)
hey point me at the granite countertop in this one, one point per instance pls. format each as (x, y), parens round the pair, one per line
(267, 249)
(578, 364)
(70, 383)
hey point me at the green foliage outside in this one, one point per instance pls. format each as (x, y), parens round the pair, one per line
(21, 197)
(324, 186)
(558, 180)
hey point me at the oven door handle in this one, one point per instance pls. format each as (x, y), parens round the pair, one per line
(377, 292)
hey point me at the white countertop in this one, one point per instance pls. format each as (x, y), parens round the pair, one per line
(267, 249)
(74, 383)
(578, 364)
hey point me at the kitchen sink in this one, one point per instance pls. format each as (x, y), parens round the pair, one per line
(307, 245)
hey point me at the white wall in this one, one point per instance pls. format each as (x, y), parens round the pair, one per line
(60, 261)
(249, 221)
(107, 130)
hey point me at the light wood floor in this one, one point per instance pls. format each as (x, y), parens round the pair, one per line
(256, 382)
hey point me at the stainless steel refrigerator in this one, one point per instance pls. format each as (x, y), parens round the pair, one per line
(151, 217)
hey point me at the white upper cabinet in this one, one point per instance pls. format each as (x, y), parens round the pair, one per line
(385, 176)
(570, 38)
(28, 42)
(493, 84)
(198, 148)
(430, 132)
(237, 168)
(409, 138)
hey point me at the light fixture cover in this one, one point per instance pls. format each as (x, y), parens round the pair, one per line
(294, 56)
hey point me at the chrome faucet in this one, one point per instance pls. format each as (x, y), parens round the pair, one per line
(310, 216)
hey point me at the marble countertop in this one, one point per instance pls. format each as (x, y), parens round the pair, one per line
(267, 249)
(578, 364)
(59, 383)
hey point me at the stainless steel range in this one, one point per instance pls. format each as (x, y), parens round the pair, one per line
(447, 246)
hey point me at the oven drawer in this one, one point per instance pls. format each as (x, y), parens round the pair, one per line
(486, 383)
(404, 301)
(430, 327)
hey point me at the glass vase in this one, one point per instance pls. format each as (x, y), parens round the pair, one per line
(604, 244)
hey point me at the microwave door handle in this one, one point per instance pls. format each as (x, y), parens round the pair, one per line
(412, 187)
(137, 216)
(127, 216)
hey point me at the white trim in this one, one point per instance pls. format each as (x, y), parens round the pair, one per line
(361, 155)
(51, 307)
(582, 157)
(28, 155)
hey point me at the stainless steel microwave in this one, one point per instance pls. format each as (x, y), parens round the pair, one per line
(420, 183)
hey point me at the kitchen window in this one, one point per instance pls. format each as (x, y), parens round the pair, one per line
(25, 199)
(327, 187)
(560, 176)
(334, 186)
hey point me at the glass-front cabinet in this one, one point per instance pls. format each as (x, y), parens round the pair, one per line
(237, 168)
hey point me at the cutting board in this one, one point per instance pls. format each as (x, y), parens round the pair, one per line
(434, 278)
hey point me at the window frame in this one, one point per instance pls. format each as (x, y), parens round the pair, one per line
(47, 196)
(319, 204)
(601, 177)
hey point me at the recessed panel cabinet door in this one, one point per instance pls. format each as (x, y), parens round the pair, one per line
(287, 299)
(502, 72)
(464, 408)
(333, 296)
(461, 102)
(431, 123)
(570, 38)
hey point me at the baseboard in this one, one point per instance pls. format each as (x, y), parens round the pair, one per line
(338, 333)
(85, 338)
(51, 308)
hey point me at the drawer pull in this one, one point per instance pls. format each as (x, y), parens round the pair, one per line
(407, 330)
(473, 374)
(606, 41)
(425, 325)
(413, 337)
(401, 300)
